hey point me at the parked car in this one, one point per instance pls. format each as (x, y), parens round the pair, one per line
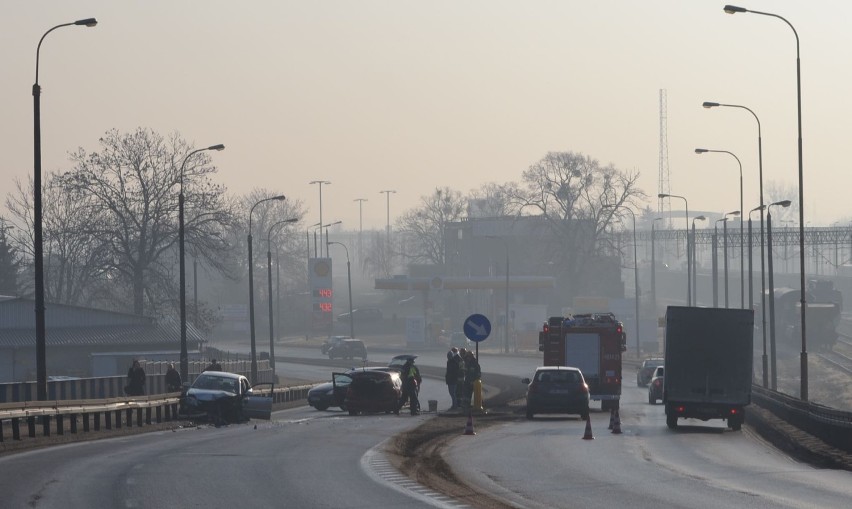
(655, 387)
(329, 394)
(348, 349)
(557, 390)
(362, 315)
(643, 376)
(330, 342)
(225, 397)
(372, 390)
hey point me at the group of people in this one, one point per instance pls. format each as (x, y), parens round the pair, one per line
(136, 379)
(462, 370)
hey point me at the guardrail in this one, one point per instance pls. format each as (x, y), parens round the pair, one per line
(114, 412)
(834, 427)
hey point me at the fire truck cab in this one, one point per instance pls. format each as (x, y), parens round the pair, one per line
(593, 343)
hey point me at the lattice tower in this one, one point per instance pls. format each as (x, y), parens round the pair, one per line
(664, 207)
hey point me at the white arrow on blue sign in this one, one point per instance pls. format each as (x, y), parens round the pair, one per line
(477, 327)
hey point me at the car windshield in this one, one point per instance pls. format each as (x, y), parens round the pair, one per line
(652, 363)
(217, 383)
(558, 376)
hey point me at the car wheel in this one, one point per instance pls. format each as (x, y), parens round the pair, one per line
(671, 421)
(353, 412)
(343, 407)
(396, 411)
(651, 399)
(321, 407)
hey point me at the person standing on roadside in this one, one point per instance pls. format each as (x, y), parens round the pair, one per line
(173, 381)
(135, 380)
(451, 377)
(472, 373)
(410, 386)
(460, 381)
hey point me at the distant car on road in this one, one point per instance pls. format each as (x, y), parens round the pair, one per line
(643, 376)
(330, 342)
(655, 387)
(329, 394)
(372, 390)
(225, 397)
(348, 349)
(557, 390)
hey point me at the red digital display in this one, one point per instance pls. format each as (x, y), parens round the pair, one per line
(323, 292)
(325, 307)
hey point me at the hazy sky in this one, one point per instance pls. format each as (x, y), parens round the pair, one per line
(410, 95)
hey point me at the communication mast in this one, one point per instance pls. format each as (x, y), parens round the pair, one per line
(664, 207)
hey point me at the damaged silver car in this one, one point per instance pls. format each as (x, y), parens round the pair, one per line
(224, 397)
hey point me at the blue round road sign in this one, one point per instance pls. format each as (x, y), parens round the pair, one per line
(477, 327)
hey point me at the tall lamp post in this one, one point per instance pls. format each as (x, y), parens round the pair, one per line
(251, 289)
(762, 207)
(327, 226)
(319, 184)
(742, 235)
(772, 349)
(715, 260)
(765, 362)
(654, 268)
(732, 9)
(694, 264)
(38, 239)
(387, 193)
(184, 355)
(506, 325)
(688, 263)
(360, 229)
(269, 279)
(725, 245)
(635, 270)
(349, 283)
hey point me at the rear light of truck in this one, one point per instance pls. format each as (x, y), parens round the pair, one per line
(734, 411)
(680, 408)
(612, 380)
(546, 328)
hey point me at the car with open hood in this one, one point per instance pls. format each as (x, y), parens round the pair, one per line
(224, 397)
(372, 391)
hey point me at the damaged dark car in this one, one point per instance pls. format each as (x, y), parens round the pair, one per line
(223, 397)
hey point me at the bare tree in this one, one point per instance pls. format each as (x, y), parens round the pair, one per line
(424, 226)
(570, 190)
(132, 186)
(493, 200)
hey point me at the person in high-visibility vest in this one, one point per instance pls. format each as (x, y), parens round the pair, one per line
(410, 386)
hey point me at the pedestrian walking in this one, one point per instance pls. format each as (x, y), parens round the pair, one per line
(451, 377)
(135, 380)
(173, 381)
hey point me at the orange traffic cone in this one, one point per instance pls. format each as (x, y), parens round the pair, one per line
(588, 434)
(468, 428)
(616, 428)
(611, 418)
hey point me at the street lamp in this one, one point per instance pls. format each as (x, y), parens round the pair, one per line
(732, 9)
(654, 268)
(782, 203)
(635, 268)
(506, 325)
(251, 289)
(694, 264)
(269, 278)
(762, 290)
(688, 265)
(360, 228)
(725, 247)
(184, 355)
(320, 183)
(716, 261)
(326, 226)
(349, 282)
(762, 207)
(38, 239)
(387, 193)
(742, 236)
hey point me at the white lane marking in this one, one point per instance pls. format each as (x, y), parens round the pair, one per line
(375, 465)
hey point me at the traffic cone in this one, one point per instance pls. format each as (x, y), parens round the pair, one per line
(611, 418)
(588, 434)
(468, 428)
(616, 428)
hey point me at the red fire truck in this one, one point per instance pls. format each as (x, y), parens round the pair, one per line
(593, 343)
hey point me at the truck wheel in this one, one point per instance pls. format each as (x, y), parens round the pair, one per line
(651, 399)
(736, 423)
(671, 421)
